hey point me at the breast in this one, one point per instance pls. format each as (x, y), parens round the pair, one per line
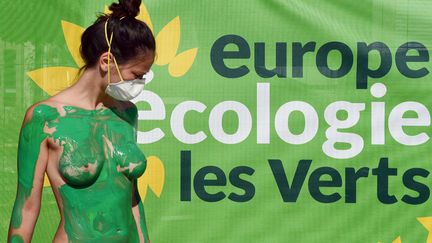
(82, 155)
(130, 160)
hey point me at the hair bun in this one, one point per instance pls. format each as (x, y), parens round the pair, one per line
(125, 8)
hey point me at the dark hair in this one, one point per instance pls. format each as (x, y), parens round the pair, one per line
(132, 37)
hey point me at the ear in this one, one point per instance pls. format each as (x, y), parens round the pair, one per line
(103, 61)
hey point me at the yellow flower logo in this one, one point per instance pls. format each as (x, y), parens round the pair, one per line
(55, 79)
(427, 223)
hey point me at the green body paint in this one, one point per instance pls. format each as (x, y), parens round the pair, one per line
(16, 239)
(98, 162)
(30, 139)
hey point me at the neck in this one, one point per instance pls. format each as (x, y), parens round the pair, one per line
(89, 90)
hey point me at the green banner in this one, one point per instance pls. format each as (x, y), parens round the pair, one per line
(266, 121)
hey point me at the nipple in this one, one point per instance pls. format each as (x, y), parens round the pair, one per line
(81, 161)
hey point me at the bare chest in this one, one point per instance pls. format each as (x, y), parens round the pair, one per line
(85, 144)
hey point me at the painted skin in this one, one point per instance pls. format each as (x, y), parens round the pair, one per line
(93, 177)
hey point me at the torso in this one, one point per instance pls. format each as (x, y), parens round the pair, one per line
(93, 158)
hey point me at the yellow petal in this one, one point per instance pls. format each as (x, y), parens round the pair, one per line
(142, 189)
(72, 34)
(46, 181)
(106, 10)
(397, 240)
(154, 177)
(182, 62)
(427, 223)
(145, 16)
(167, 42)
(54, 79)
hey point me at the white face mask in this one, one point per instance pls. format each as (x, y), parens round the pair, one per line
(124, 90)
(129, 89)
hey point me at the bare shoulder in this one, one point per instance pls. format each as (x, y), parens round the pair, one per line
(37, 110)
(31, 112)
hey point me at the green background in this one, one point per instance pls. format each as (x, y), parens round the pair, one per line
(31, 37)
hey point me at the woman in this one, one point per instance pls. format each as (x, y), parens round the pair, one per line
(84, 138)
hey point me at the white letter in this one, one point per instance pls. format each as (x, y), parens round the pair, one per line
(244, 122)
(156, 112)
(378, 90)
(263, 113)
(377, 123)
(396, 122)
(310, 127)
(177, 122)
(332, 134)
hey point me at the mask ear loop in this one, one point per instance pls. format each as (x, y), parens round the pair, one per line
(109, 54)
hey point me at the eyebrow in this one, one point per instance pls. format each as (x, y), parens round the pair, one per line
(139, 75)
(136, 71)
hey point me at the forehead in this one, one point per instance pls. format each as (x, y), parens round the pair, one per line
(141, 63)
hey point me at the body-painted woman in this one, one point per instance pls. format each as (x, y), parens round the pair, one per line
(84, 138)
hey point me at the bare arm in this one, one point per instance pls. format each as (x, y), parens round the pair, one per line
(139, 214)
(137, 206)
(32, 161)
